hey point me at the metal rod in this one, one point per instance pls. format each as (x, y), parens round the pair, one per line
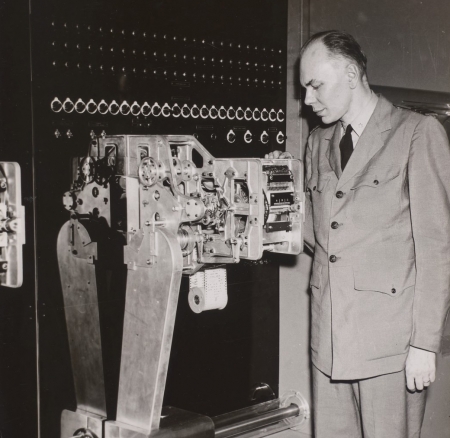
(257, 422)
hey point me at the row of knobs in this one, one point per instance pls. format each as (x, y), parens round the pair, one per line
(170, 39)
(231, 136)
(166, 110)
(174, 57)
(170, 74)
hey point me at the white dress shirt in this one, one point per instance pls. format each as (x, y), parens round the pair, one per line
(360, 121)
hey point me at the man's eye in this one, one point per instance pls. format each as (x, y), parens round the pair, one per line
(315, 87)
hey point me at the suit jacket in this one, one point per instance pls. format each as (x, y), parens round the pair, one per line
(381, 228)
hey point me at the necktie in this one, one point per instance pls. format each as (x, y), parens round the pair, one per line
(346, 146)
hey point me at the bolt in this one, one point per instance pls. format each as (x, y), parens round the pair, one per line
(149, 262)
(5, 266)
(147, 223)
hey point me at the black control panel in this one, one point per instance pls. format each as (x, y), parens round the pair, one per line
(208, 68)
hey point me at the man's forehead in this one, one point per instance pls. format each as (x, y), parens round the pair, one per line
(316, 62)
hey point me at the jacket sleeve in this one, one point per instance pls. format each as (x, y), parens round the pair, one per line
(429, 191)
(308, 230)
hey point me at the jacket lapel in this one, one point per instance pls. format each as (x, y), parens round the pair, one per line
(370, 142)
(333, 153)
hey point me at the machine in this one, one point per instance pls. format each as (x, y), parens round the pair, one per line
(174, 209)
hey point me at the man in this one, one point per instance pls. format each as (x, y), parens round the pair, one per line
(378, 217)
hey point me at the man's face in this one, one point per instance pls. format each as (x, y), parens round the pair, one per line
(326, 82)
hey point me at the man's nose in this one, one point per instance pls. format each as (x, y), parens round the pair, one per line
(309, 98)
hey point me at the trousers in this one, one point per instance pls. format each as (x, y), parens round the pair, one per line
(378, 407)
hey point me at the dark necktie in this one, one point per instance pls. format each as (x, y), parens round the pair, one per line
(346, 146)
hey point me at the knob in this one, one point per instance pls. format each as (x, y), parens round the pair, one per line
(185, 111)
(248, 137)
(146, 109)
(204, 112)
(125, 108)
(231, 136)
(231, 113)
(248, 114)
(264, 137)
(195, 112)
(264, 115)
(135, 109)
(56, 105)
(80, 106)
(222, 113)
(156, 109)
(113, 108)
(280, 115)
(68, 106)
(165, 111)
(256, 114)
(272, 115)
(176, 110)
(280, 137)
(240, 113)
(102, 107)
(91, 107)
(213, 113)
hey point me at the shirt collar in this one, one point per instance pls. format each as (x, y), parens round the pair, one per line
(360, 121)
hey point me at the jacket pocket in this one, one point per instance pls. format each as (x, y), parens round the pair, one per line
(376, 198)
(387, 279)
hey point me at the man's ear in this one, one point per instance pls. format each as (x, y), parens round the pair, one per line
(353, 75)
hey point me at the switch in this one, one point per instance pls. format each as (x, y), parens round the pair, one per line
(280, 115)
(213, 113)
(248, 114)
(272, 115)
(280, 137)
(68, 106)
(113, 108)
(124, 108)
(264, 137)
(56, 105)
(165, 111)
(176, 110)
(264, 115)
(80, 106)
(195, 112)
(231, 113)
(135, 109)
(248, 137)
(204, 112)
(239, 113)
(222, 113)
(185, 111)
(91, 106)
(231, 136)
(156, 109)
(256, 114)
(146, 110)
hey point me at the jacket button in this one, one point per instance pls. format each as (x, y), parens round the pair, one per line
(339, 194)
(333, 258)
(314, 188)
(334, 225)
(393, 290)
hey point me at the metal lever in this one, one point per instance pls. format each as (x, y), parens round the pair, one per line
(12, 225)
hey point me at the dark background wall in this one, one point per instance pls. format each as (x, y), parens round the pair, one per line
(407, 41)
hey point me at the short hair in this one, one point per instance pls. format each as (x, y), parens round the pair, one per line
(339, 43)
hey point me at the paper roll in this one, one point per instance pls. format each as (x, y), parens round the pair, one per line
(208, 290)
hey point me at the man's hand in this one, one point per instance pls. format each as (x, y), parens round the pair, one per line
(278, 154)
(420, 368)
